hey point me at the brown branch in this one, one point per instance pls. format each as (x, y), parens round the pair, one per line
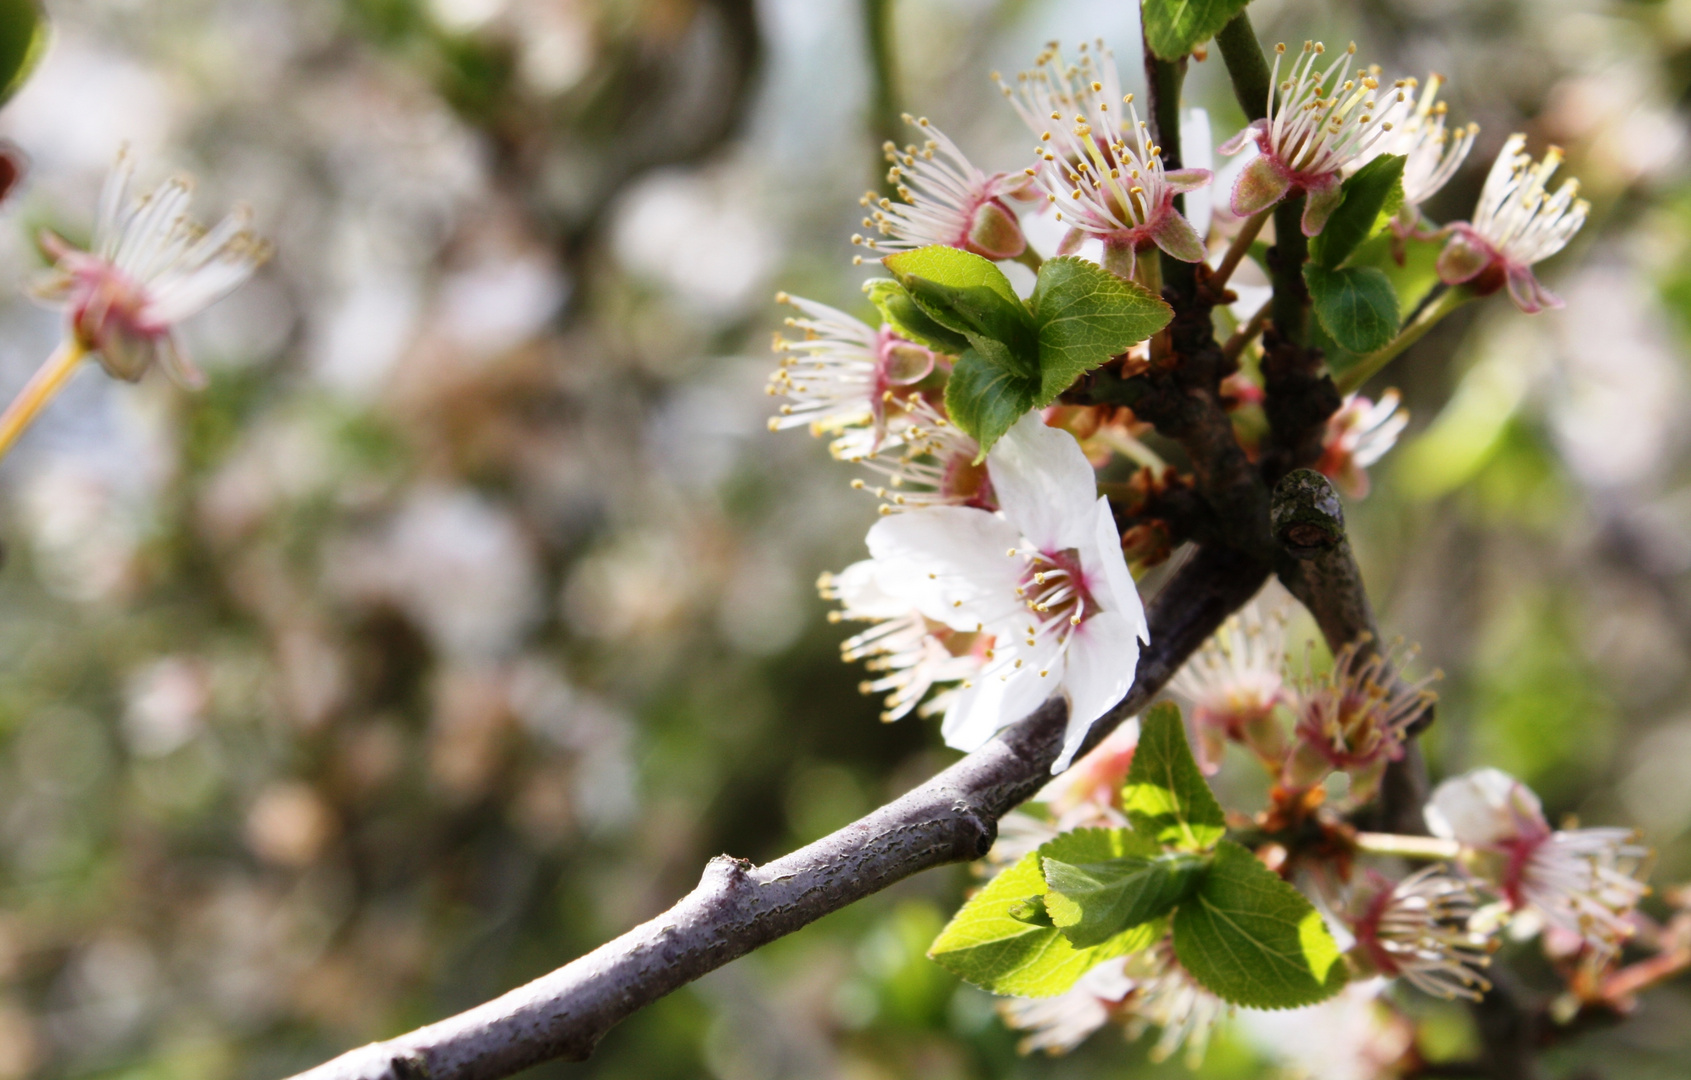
(738, 907)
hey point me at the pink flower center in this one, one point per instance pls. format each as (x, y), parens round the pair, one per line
(1367, 930)
(1518, 851)
(1056, 590)
(105, 300)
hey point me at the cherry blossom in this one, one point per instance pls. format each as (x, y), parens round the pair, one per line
(1517, 224)
(1324, 124)
(1235, 683)
(947, 200)
(843, 377)
(1044, 577)
(1582, 881)
(1431, 152)
(150, 267)
(1417, 929)
(1097, 164)
(1357, 436)
(915, 653)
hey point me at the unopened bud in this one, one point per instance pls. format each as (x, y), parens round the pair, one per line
(994, 232)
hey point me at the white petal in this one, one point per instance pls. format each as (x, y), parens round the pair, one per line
(113, 199)
(1103, 656)
(950, 562)
(1045, 484)
(176, 364)
(1482, 807)
(998, 698)
(861, 596)
(1107, 563)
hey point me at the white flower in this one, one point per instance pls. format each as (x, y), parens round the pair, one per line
(1418, 929)
(1045, 577)
(927, 461)
(946, 201)
(1358, 435)
(1325, 123)
(1354, 1035)
(1165, 995)
(1097, 164)
(916, 653)
(1516, 225)
(1235, 683)
(1146, 989)
(1431, 154)
(1583, 881)
(151, 267)
(1058, 1024)
(1354, 718)
(843, 377)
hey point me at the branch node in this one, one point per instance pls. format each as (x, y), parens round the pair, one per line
(1306, 515)
(981, 830)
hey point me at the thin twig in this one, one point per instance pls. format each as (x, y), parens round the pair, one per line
(1248, 332)
(1239, 248)
(738, 907)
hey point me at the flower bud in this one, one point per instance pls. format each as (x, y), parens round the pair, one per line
(994, 232)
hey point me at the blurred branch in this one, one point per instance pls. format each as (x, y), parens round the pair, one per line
(738, 907)
(885, 109)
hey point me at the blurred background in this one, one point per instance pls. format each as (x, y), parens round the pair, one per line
(470, 610)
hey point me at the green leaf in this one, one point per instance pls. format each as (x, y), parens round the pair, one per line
(1255, 940)
(898, 309)
(1357, 305)
(992, 949)
(1414, 277)
(969, 295)
(1085, 315)
(1091, 902)
(1174, 27)
(1375, 191)
(1031, 910)
(988, 392)
(23, 40)
(1166, 797)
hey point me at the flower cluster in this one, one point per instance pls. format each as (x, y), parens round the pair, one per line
(1014, 493)
(1351, 719)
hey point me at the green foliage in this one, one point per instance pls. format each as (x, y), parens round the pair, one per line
(1091, 902)
(23, 39)
(1087, 315)
(988, 393)
(1373, 194)
(988, 946)
(1174, 27)
(1255, 940)
(1355, 305)
(969, 295)
(1015, 359)
(898, 309)
(1166, 796)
